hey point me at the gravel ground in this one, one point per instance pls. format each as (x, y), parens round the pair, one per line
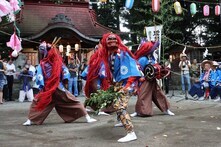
(196, 124)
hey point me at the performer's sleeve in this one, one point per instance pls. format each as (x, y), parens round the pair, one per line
(102, 72)
(130, 81)
(39, 77)
(65, 72)
(143, 62)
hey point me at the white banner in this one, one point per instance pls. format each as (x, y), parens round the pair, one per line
(154, 34)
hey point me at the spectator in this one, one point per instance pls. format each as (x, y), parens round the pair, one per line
(3, 80)
(26, 90)
(82, 68)
(32, 69)
(215, 92)
(5, 87)
(10, 70)
(203, 85)
(194, 70)
(185, 65)
(167, 79)
(73, 81)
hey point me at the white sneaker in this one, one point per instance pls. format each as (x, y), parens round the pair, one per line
(133, 114)
(91, 120)
(168, 112)
(201, 99)
(103, 113)
(129, 137)
(217, 99)
(27, 123)
(119, 125)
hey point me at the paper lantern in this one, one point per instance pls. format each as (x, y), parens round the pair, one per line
(14, 53)
(155, 5)
(193, 9)
(217, 10)
(61, 48)
(129, 4)
(206, 10)
(76, 47)
(68, 48)
(177, 7)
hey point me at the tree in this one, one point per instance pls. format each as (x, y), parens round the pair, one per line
(141, 15)
(108, 14)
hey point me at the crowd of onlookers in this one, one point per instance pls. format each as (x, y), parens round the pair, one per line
(206, 78)
(26, 75)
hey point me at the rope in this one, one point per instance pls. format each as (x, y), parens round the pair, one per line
(189, 46)
(191, 1)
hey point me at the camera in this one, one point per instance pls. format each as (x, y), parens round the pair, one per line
(183, 66)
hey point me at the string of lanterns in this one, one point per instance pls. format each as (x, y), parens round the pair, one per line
(68, 48)
(178, 7)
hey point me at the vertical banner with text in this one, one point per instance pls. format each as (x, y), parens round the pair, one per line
(154, 34)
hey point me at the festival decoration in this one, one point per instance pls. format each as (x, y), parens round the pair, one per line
(15, 5)
(155, 5)
(177, 7)
(61, 48)
(217, 10)
(205, 53)
(76, 47)
(14, 54)
(206, 10)
(129, 4)
(14, 43)
(5, 8)
(68, 48)
(193, 9)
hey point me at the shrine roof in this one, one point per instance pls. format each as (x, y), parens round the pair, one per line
(36, 18)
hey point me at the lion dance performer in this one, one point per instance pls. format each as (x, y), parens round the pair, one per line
(52, 77)
(118, 66)
(149, 89)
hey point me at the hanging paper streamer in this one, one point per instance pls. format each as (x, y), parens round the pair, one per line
(14, 43)
(217, 10)
(5, 8)
(155, 5)
(205, 53)
(177, 7)
(129, 4)
(206, 10)
(193, 9)
(15, 5)
(154, 33)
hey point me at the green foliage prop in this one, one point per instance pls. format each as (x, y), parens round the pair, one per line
(103, 99)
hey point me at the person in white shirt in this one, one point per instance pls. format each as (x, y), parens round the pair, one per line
(185, 65)
(10, 71)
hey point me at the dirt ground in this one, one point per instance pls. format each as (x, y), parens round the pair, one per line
(196, 124)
